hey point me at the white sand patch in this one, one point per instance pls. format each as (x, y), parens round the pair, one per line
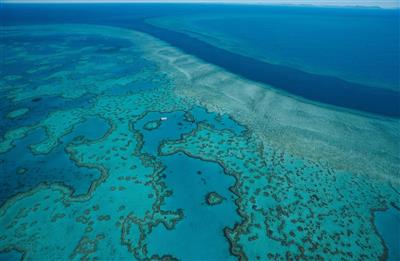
(346, 140)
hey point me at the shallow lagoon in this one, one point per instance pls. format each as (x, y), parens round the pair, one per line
(144, 182)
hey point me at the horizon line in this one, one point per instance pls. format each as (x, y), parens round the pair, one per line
(250, 2)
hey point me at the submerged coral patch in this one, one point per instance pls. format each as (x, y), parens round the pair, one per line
(152, 125)
(17, 113)
(213, 198)
(290, 202)
(124, 155)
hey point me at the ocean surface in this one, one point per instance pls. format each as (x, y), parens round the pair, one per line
(212, 132)
(352, 44)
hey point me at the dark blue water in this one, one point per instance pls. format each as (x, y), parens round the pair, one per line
(10, 256)
(361, 47)
(319, 88)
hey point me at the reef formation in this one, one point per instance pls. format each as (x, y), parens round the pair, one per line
(141, 183)
(213, 198)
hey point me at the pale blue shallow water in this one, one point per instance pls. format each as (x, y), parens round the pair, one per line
(177, 124)
(200, 234)
(124, 184)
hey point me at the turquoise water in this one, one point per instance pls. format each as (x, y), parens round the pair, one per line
(116, 145)
(200, 234)
(388, 225)
(46, 168)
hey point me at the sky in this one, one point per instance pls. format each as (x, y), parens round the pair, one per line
(367, 3)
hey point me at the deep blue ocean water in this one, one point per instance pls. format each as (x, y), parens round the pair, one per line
(355, 45)
(367, 53)
(272, 197)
